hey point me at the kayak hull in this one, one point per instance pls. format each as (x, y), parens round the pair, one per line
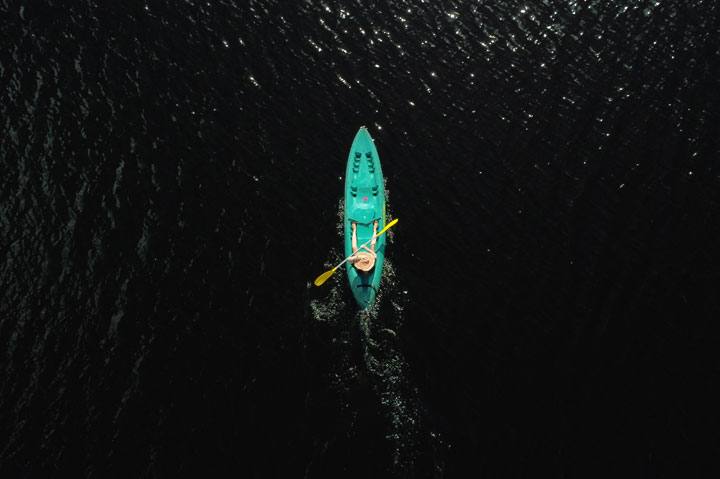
(364, 204)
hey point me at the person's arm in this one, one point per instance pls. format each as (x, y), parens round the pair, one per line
(353, 259)
(354, 237)
(372, 245)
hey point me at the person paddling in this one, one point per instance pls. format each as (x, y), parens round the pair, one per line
(363, 260)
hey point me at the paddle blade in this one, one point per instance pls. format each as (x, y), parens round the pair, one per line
(324, 277)
(390, 225)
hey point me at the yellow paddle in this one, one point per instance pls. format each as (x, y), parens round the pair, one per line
(324, 277)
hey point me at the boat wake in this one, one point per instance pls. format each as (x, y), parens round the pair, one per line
(385, 364)
(366, 360)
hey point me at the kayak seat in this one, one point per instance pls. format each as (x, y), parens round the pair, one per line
(353, 190)
(375, 190)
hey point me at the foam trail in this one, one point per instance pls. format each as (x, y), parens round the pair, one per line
(381, 359)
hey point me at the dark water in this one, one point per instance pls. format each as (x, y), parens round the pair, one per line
(171, 186)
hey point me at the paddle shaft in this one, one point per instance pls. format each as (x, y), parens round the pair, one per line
(368, 241)
(359, 248)
(323, 277)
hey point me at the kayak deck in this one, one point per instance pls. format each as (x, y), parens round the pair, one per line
(364, 204)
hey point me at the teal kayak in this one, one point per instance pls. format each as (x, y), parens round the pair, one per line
(364, 204)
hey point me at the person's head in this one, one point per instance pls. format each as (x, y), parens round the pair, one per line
(364, 262)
